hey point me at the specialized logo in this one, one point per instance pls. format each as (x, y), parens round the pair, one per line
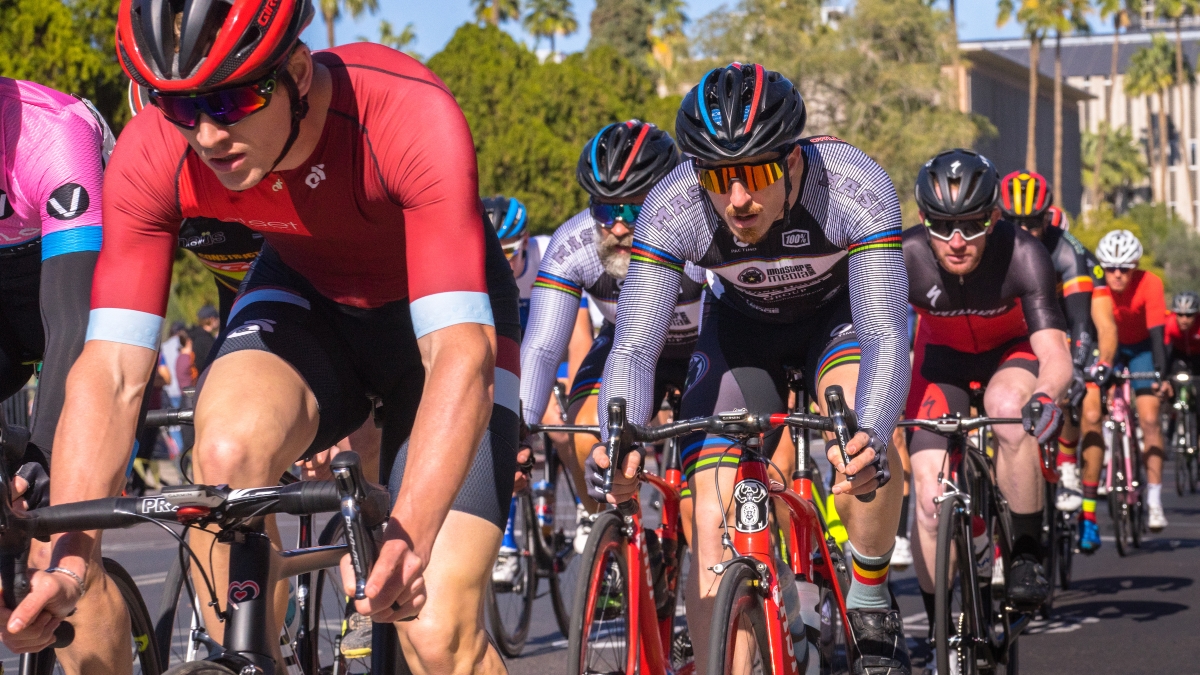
(795, 238)
(242, 591)
(6, 209)
(697, 368)
(750, 500)
(752, 275)
(68, 202)
(314, 179)
(254, 326)
(954, 166)
(933, 294)
(278, 185)
(841, 329)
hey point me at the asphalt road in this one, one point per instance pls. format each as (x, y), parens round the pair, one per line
(1122, 615)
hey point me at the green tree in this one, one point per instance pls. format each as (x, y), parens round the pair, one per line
(1121, 11)
(67, 45)
(496, 12)
(1174, 10)
(331, 10)
(1037, 17)
(668, 40)
(399, 41)
(548, 18)
(623, 25)
(1122, 166)
(1068, 15)
(1151, 73)
(530, 120)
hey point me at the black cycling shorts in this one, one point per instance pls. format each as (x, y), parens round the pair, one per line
(22, 337)
(742, 363)
(349, 356)
(669, 373)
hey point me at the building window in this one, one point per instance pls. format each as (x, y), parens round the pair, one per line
(1193, 151)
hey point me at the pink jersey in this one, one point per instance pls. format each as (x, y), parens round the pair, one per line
(53, 169)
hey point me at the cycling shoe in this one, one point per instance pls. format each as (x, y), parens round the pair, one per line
(1028, 587)
(879, 642)
(1089, 537)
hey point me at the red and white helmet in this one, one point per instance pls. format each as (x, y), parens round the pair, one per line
(199, 45)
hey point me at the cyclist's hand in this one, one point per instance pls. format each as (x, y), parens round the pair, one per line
(1101, 373)
(30, 627)
(396, 587)
(625, 482)
(317, 466)
(868, 465)
(30, 488)
(1163, 389)
(1045, 425)
(524, 467)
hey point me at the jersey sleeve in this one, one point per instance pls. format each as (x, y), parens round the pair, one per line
(1038, 292)
(62, 172)
(1156, 304)
(141, 225)
(429, 168)
(864, 217)
(553, 304)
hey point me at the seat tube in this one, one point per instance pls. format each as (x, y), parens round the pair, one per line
(249, 598)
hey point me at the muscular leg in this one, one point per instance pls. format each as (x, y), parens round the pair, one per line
(1092, 437)
(925, 466)
(1152, 441)
(584, 413)
(448, 637)
(1017, 460)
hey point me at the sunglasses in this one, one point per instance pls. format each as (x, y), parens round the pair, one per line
(512, 246)
(754, 176)
(608, 214)
(1120, 268)
(226, 107)
(969, 229)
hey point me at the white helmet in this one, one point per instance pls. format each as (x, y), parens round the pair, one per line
(1119, 248)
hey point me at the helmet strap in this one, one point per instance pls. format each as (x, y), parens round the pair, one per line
(787, 192)
(299, 112)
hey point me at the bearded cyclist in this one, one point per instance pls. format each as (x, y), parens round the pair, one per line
(378, 276)
(984, 291)
(800, 238)
(1025, 199)
(1141, 315)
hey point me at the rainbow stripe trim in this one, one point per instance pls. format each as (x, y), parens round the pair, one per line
(844, 354)
(583, 389)
(1081, 284)
(557, 283)
(883, 240)
(870, 575)
(707, 454)
(643, 252)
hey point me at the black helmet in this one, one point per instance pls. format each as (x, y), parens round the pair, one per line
(508, 216)
(626, 159)
(977, 181)
(1186, 303)
(739, 111)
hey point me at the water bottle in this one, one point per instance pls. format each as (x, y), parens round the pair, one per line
(800, 600)
(543, 506)
(981, 543)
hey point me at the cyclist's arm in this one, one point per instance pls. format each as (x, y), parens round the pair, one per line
(1156, 318)
(1078, 310)
(1106, 326)
(1055, 369)
(581, 342)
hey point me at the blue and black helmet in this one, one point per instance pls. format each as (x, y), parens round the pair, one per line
(739, 111)
(508, 216)
(625, 160)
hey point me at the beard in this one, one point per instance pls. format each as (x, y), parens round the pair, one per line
(746, 236)
(612, 257)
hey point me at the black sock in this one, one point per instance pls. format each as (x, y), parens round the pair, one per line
(930, 608)
(902, 530)
(1027, 536)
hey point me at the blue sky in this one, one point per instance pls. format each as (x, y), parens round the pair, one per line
(435, 22)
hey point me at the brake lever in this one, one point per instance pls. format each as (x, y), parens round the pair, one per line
(835, 401)
(616, 433)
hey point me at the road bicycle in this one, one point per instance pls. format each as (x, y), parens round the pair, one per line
(1123, 477)
(975, 628)
(14, 555)
(750, 620)
(1184, 437)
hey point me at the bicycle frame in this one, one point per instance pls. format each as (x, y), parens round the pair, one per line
(1121, 420)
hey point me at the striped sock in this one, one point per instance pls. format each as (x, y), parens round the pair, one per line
(1066, 450)
(868, 588)
(1089, 501)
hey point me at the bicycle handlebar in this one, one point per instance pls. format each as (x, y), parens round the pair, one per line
(948, 426)
(564, 429)
(1135, 376)
(169, 417)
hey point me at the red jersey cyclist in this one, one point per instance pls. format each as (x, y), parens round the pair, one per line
(378, 276)
(988, 311)
(1182, 334)
(1141, 315)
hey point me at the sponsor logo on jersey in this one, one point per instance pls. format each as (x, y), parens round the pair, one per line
(824, 139)
(844, 185)
(933, 295)
(254, 326)
(841, 329)
(202, 239)
(697, 368)
(795, 238)
(790, 272)
(314, 178)
(68, 202)
(752, 275)
(1097, 271)
(6, 208)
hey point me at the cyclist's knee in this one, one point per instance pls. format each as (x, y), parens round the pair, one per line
(444, 643)
(233, 460)
(1091, 413)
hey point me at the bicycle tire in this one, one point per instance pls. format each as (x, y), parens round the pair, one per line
(1181, 471)
(164, 619)
(1118, 513)
(511, 635)
(1012, 662)
(738, 607)
(1066, 550)
(554, 554)
(1052, 560)
(199, 668)
(953, 539)
(139, 618)
(318, 622)
(832, 648)
(603, 557)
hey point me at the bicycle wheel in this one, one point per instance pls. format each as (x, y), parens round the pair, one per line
(510, 605)
(739, 627)
(601, 625)
(1050, 544)
(327, 617)
(956, 635)
(145, 650)
(199, 668)
(555, 549)
(1067, 528)
(832, 647)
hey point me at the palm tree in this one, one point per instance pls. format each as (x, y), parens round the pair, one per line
(495, 12)
(548, 18)
(1174, 10)
(332, 10)
(1037, 19)
(1067, 15)
(1121, 11)
(667, 38)
(959, 75)
(1151, 73)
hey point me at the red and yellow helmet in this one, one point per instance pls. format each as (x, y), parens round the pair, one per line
(1025, 194)
(199, 45)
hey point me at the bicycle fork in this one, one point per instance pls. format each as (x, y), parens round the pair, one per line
(643, 655)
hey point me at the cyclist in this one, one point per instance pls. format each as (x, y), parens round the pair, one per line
(984, 290)
(1141, 315)
(800, 239)
(1025, 198)
(1182, 334)
(378, 275)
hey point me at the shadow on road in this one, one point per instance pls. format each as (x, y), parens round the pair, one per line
(1114, 585)
(1135, 610)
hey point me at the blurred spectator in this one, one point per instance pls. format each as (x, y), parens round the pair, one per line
(204, 334)
(185, 363)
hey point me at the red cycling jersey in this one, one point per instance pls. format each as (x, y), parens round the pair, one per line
(1181, 344)
(386, 208)
(1139, 307)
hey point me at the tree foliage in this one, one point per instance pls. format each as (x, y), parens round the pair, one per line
(1122, 168)
(530, 120)
(548, 19)
(623, 25)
